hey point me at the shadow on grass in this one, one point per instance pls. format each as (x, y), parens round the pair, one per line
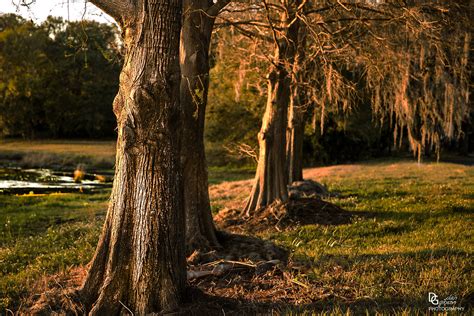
(282, 289)
(203, 304)
(275, 293)
(415, 216)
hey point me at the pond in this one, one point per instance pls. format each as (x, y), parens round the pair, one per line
(26, 181)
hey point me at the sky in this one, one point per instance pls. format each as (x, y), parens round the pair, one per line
(39, 10)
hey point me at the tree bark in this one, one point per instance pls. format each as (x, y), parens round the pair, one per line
(139, 264)
(194, 60)
(270, 182)
(271, 179)
(295, 132)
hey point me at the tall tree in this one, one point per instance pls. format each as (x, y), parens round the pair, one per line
(139, 264)
(198, 22)
(413, 88)
(296, 113)
(271, 180)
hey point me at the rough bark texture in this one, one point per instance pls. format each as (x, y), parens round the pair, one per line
(139, 264)
(194, 60)
(271, 180)
(295, 132)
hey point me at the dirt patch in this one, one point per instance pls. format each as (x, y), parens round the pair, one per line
(231, 194)
(302, 211)
(259, 291)
(56, 293)
(236, 247)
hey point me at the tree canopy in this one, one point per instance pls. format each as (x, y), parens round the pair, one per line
(58, 78)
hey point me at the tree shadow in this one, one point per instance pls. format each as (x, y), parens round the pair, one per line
(277, 291)
(243, 248)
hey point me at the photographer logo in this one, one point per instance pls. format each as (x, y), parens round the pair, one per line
(448, 304)
(433, 298)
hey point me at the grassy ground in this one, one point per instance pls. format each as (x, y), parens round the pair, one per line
(412, 235)
(67, 154)
(58, 154)
(98, 149)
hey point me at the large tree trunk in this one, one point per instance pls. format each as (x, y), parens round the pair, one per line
(139, 263)
(271, 179)
(195, 42)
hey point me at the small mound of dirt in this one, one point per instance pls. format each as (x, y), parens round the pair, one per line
(240, 248)
(302, 211)
(307, 188)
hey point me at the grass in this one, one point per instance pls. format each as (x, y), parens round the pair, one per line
(43, 235)
(67, 154)
(58, 155)
(412, 235)
(98, 149)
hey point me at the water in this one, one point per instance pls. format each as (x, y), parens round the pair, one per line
(24, 181)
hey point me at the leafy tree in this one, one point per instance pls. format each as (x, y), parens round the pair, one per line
(23, 65)
(57, 78)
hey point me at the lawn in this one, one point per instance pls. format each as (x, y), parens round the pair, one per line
(58, 154)
(98, 149)
(411, 234)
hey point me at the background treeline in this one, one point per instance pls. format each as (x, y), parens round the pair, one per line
(58, 79)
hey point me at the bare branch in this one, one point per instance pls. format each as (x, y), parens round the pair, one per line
(120, 10)
(214, 10)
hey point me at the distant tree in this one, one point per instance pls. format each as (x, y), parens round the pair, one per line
(237, 95)
(57, 78)
(23, 66)
(85, 79)
(386, 46)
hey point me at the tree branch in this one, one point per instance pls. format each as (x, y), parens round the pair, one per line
(214, 10)
(117, 9)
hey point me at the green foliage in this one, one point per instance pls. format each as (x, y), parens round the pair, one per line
(346, 137)
(235, 102)
(57, 79)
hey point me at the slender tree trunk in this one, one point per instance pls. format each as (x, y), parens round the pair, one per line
(139, 263)
(195, 42)
(295, 132)
(271, 179)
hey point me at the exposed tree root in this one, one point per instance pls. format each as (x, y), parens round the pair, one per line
(279, 216)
